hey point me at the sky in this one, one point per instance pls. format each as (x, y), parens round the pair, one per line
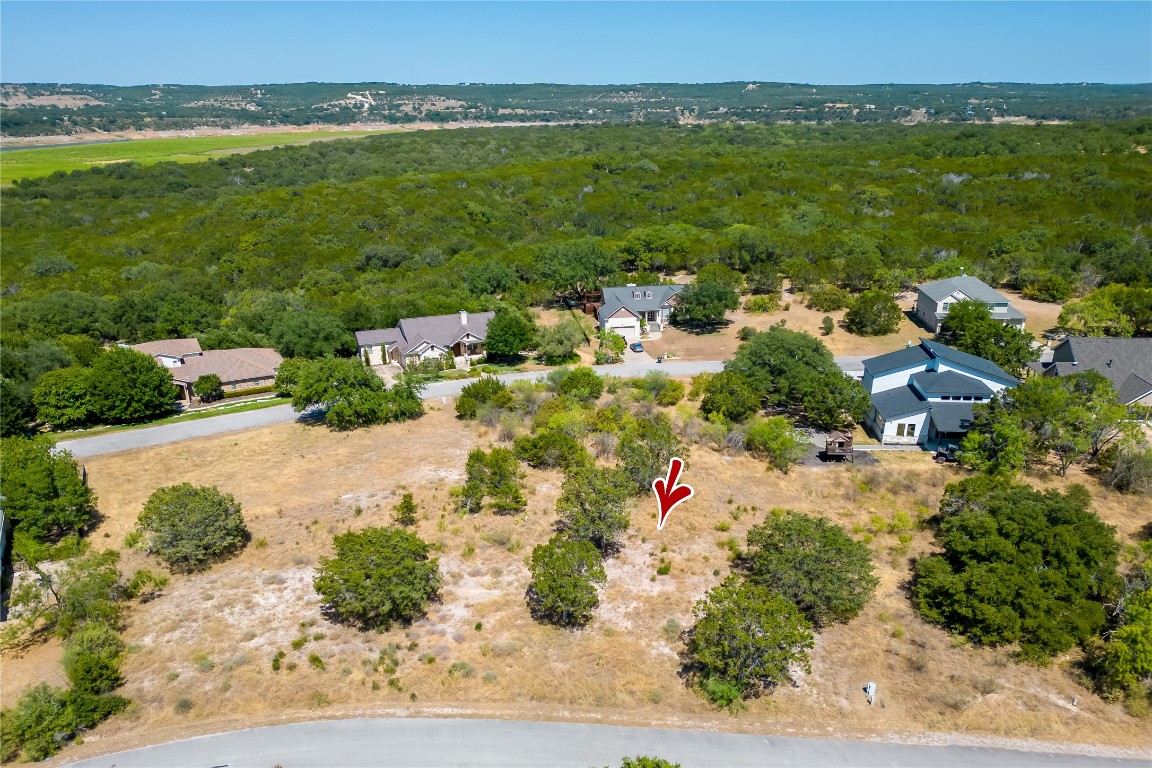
(239, 43)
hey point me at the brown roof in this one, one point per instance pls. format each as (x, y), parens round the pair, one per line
(231, 365)
(169, 347)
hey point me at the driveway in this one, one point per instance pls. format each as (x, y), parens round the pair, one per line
(426, 743)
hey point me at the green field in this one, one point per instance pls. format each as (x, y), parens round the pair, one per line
(43, 161)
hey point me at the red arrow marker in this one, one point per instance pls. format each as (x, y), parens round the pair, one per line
(668, 493)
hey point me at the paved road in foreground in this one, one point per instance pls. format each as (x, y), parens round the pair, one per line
(281, 414)
(428, 743)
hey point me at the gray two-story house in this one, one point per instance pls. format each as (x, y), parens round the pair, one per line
(934, 299)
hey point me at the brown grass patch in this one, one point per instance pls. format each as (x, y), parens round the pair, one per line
(211, 637)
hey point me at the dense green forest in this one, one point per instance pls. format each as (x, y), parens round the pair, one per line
(35, 109)
(297, 247)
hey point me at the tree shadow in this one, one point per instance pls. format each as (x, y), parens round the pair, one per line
(703, 329)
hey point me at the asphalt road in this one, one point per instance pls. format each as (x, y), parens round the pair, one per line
(280, 414)
(430, 743)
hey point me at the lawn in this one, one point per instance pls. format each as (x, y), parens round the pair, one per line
(210, 638)
(43, 161)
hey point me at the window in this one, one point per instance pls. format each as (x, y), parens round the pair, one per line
(967, 397)
(635, 294)
(905, 430)
(647, 294)
(979, 398)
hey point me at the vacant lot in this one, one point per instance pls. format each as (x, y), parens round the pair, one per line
(209, 640)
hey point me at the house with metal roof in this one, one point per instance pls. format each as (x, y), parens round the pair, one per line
(414, 340)
(924, 394)
(633, 310)
(1127, 363)
(933, 301)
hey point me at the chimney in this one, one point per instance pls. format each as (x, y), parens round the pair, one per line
(463, 317)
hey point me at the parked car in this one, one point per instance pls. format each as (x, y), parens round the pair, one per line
(636, 346)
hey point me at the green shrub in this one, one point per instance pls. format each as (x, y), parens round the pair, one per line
(246, 392)
(828, 298)
(1051, 561)
(93, 674)
(762, 304)
(485, 390)
(744, 640)
(777, 441)
(582, 383)
(873, 313)
(814, 563)
(562, 589)
(550, 448)
(378, 577)
(47, 718)
(190, 527)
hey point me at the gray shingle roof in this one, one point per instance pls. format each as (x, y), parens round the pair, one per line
(440, 330)
(1118, 360)
(952, 417)
(1133, 388)
(972, 287)
(385, 336)
(898, 402)
(955, 356)
(624, 296)
(950, 383)
(894, 361)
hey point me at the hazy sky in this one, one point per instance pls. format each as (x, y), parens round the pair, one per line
(126, 43)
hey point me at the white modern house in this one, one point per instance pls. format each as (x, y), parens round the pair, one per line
(934, 299)
(417, 339)
(633, 310)
(923, 394)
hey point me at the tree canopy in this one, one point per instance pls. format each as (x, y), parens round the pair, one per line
(45, 499)
(509, 334)
(592, 505)
(703, 303)
(379, 577)
(970, 327)
(128, 386)
(190, 527)
(565, 574)
(1020, 566)
(351, 393)
(814, 563)
(744, 640)
(793, 369)
(873, 313)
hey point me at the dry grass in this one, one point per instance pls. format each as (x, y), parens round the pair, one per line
(722, 344)
(210, 638)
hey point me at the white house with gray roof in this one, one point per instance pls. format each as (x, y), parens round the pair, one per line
(417, 339)
(924, 394)
(631, 310)
(934, 299)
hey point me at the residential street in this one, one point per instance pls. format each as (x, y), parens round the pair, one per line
(280, 414)
(416, 743)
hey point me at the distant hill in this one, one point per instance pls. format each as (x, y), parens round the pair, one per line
(37, 109)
